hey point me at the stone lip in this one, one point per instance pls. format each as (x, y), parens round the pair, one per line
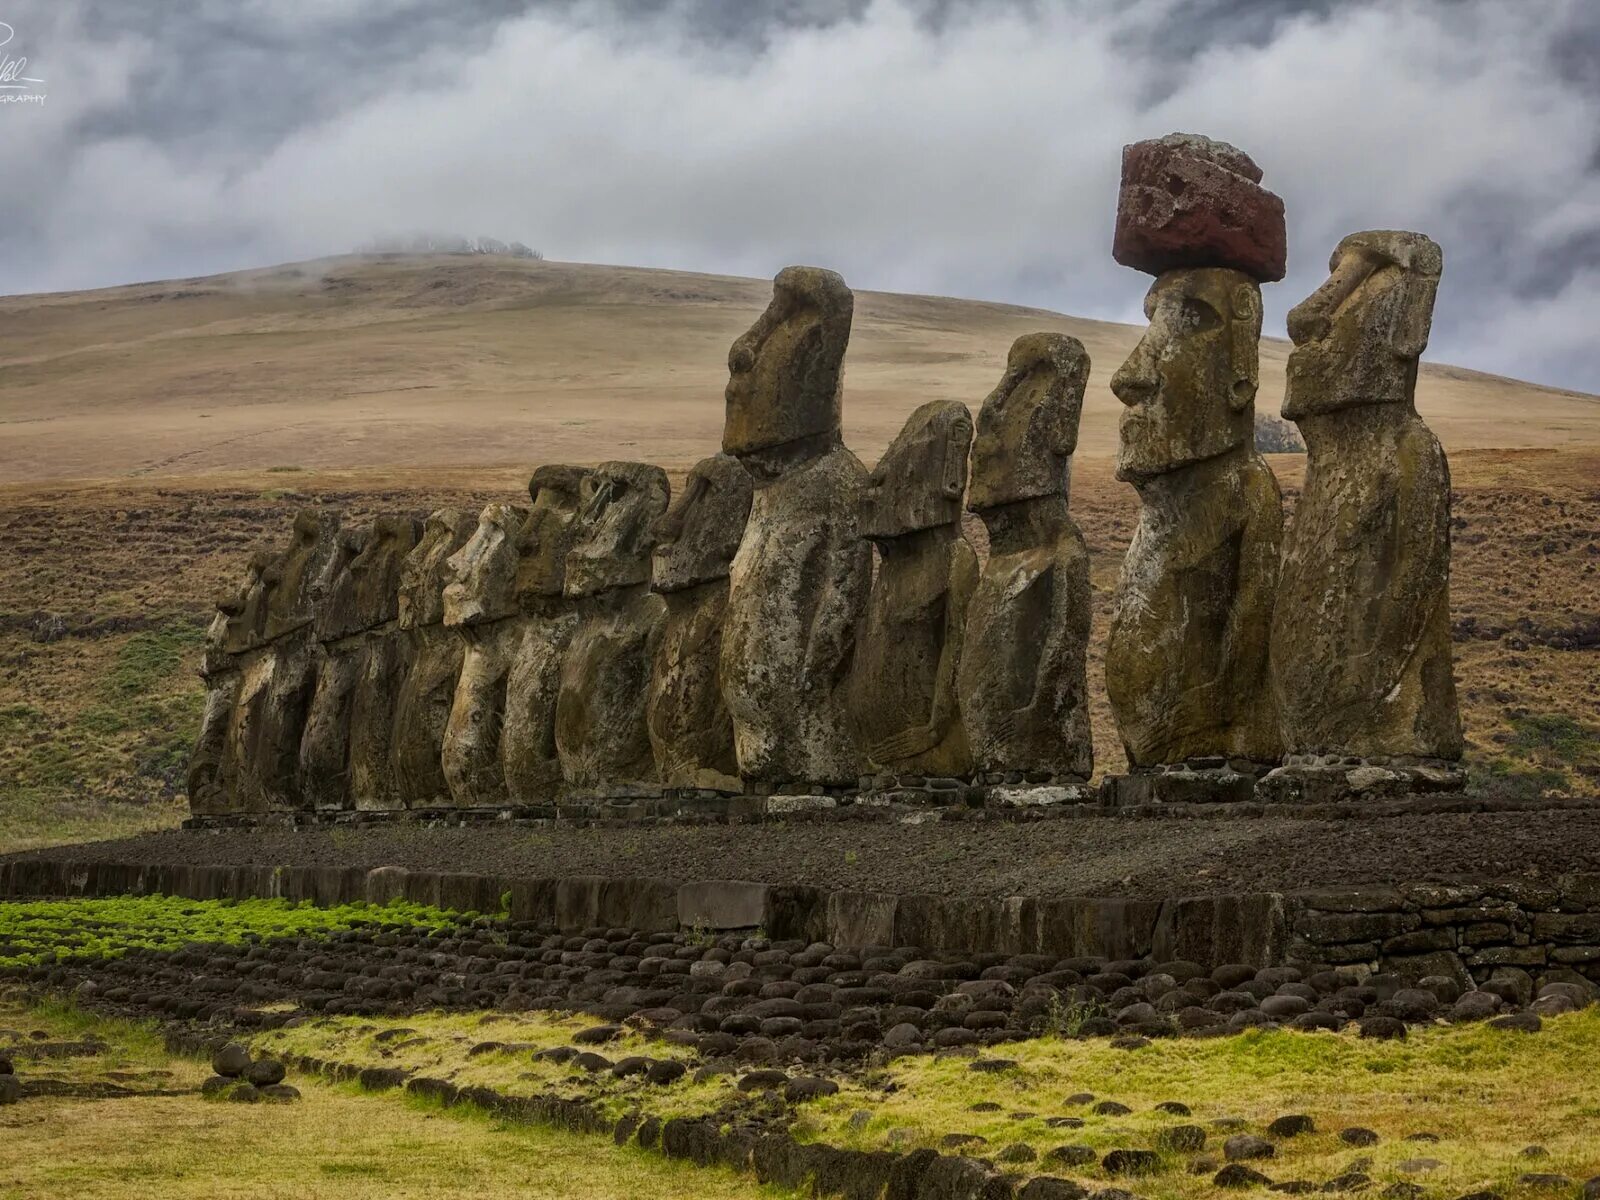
(1189, 201)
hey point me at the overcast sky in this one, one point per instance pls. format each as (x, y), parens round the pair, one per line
(959, 147)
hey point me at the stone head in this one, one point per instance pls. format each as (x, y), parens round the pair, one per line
(336, 610)
(622, 501)
(483, 573)
(921, 479)
(785, 372)
(375, 572)
(1358, 337)
(548, 534)
(242, 611)
(700, 533)
(1189, 387)
(1028, 427)
(424, 572)
(294, 579)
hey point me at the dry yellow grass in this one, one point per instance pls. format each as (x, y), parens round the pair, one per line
(449, 361)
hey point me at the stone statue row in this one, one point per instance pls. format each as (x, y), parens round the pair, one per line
(607, 641)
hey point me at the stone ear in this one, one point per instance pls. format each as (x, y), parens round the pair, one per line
(1413, 318)
(1244, 332)
(954, 484)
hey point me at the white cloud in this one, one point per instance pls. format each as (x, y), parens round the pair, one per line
(974, 156)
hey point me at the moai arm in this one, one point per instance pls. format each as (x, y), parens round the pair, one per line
(1259, 544)
(919, 739)
(1060, 657)
(848, 575)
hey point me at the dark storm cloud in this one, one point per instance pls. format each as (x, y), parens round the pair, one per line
(967, 147)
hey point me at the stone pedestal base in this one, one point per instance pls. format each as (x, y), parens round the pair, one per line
(1332, 779)
(1209, 781)
(1041, 795)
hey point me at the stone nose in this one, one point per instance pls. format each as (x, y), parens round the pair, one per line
(1136, 380)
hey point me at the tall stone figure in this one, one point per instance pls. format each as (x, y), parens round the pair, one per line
(690, 729)
(1361, 664)
(601, 730)
(480, 605)
(1186, 659)
(546, 624)
(903, 696)
(280, 673)
(234, 630)
(1022, 687)
(375, 579)
(325, 743)
(798, 585)
(430, 663)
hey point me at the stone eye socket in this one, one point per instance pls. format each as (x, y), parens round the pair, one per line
(1198, 315)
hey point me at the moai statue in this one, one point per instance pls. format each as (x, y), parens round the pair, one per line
(1186, 659)
(479, 605)
(1361, 662)
(528, 755)
(277, 682)
(903, 695)
(430, 659)
(375, 575)
(690, 729)
(325, 743)
(1022, 688)
(797, 589)
(602, 734)
(211, 776)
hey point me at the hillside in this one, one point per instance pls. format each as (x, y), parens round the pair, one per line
(452, 361)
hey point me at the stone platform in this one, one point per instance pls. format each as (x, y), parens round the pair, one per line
(1466, 893)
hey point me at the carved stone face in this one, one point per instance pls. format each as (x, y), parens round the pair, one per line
(784, 373)
(293, 578)
(548, 534)
(484, 571)
(1028, 427)
(922, 477)
(424, 572)
(244, 611)
(336, 615)
(1190, 385)
(1357, 338)
(700, 533)
(375, 572)
(622, 502)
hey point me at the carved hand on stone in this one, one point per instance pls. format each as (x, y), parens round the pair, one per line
(908, 743)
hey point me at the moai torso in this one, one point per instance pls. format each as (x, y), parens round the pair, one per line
(279, 678)
(547, 620)
(601, 730)
(429, 663)
(376, 578)
(798, 584)
(325, 743)
(903, 695)
(1021, 682)
(1187, 654)
(212, 776)
(479, 606)
(1361, 657)
(690, 730)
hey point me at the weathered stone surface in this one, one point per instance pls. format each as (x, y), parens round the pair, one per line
(798, 584)
(211, 775)
(1361, 632)
(277, 683)
(377, 571)
(1186, 658)
(528, 757)
(479, 601)
(602, 735)
(431, 661)
(690, 729)
(903, 693)
(1021, 680)
(325, 742)
(1189, 201)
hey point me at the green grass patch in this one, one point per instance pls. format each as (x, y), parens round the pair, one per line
(45, 931)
